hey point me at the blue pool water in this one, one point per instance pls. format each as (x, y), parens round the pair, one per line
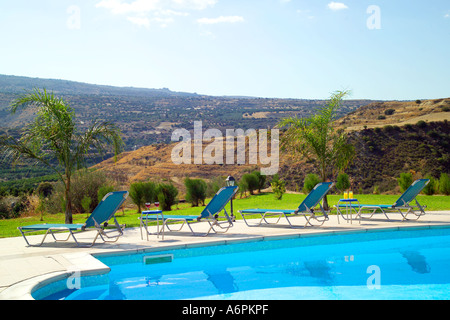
(411, 264)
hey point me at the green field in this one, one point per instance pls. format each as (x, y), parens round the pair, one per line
(8, 228)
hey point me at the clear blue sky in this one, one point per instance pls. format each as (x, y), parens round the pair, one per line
(268, 48)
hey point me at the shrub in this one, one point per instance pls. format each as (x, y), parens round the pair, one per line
(404, 181)
(5, 210)
(310, 182)
(150, 192)
(214, 185)
(167, 196)
(136, 194)
(56, 202)
(195, 191)
(278, 187)
(261, 180)
(86, 183)
(103, 191)
(343, 182)
(430, 187)
(421, 124)
(250, 182)
(45, 189)
(376, 189)
(86, 203)
(381, 117)
(444, 184)
(389, 112)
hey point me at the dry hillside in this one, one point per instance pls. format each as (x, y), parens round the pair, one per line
(154, 162)
(380, 114)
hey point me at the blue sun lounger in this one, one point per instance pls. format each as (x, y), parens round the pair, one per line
(305, 209)
(210, 214)
(402, 205)
(97, 221)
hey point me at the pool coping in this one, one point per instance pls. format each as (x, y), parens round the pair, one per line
(92, 266)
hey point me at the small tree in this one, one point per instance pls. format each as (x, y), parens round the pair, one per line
(250, 181)
(444, 184)
(278, 187)
(136, 194)
(103, 191)
(150, 192)
(311, 180)
(167, 196)
(195, 191)
(343, 182)
(86, 203)
(261, 180)
(316, 138)
(404, 181)
(430, 188)
(45, 189)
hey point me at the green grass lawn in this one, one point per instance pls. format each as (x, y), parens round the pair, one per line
(8, 228)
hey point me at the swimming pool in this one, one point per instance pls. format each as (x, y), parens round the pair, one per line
(406, 264)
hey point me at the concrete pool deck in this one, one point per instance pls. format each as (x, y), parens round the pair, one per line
(22, 267)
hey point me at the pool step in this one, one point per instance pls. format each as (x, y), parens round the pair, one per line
(162, 258)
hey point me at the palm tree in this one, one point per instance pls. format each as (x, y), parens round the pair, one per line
(316, 138)
(54, 135)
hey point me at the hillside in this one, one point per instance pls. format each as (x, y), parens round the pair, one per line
(147, 116)
(423, 147)
(379, 114)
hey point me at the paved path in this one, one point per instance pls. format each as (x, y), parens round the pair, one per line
(22, 267)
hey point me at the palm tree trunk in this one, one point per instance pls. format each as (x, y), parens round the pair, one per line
(68, 213)
(325, 203)
(324, 178)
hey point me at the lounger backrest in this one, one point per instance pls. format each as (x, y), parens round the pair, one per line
(219, 201)
(412, 192)
(314, 197)
(106, 208)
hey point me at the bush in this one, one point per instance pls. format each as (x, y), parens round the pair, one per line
(389, 112)
(136, 194)
(381, 117)
(45, 189)
(421, 124)
(12, 207)
(404, 181)
(195, 191)
(86, 203)
(167, 196)
(278, 187)
(5, 210)
(444, 184)
(214, 185)
(311, 180)
(150, 192)
(86, 183)
(430, 187)
(103, 191)
(376, 189)
(343, 182)
(261, 180)
(250, 182)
